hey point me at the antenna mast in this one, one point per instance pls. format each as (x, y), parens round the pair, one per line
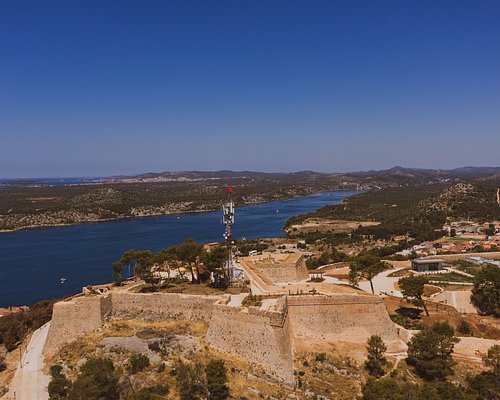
(228, 221)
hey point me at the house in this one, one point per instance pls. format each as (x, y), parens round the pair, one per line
(422, 265)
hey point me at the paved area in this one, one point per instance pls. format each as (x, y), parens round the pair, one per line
(237, 299)
(382, 283)
(459, 299)
(473, 349)
(268, 305)
(331, 279)
(30, 383)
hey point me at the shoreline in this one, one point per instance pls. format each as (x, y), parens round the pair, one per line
(129, 217)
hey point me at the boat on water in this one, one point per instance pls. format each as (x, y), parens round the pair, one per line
(63, 280)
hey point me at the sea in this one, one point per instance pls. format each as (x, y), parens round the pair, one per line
(32, 262)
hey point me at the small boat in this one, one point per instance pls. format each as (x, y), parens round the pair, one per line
(277, 211)
(63, 280)
(178, 217)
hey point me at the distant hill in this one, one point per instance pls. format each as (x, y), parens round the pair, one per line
(417, 210)
(394, 177)
(223, 174)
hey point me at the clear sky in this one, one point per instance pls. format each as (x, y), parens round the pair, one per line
(93, 88)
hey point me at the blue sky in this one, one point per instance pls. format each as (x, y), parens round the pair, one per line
(92, 88)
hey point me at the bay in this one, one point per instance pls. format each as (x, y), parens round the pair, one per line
(32, 262)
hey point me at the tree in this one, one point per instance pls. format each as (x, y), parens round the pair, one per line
(486, 292)
(142, 259)
(464, 328)
(429, 351)
(215, 260)
(96, 380)
(59, 385)
(167, 260)
(366, 265)
(189, 253)
(389, 389)
(386, 389)
(150, 393)
(484, 386)
(441, 390)
(492, 359)
(412, 289)
(190, 381)
(376, 360)
(217, 380)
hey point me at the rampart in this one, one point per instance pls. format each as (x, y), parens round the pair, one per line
(340, 317)
(162, 306)
(84, 314)
(76, 317)
(278, 267)
(260, 337)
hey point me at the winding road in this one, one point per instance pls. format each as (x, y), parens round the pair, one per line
(382, 283)
(29, 382)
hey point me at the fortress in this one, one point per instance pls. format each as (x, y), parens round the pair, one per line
(264, 334)
(291, 310)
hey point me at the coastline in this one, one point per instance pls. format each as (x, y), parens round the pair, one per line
(153, 215)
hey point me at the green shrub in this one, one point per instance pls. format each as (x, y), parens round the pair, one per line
(137, 362)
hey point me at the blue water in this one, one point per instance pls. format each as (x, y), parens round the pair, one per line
(33, 261)
(6, 183)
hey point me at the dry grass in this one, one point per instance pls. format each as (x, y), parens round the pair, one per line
(327, 225)
(189, 288)
(247, 380)
(329, 373)
(12, 361)
(181, 327)
(429, 290)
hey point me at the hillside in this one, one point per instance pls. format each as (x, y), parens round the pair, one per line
(24, 207)
(25, 204)
(417, 210)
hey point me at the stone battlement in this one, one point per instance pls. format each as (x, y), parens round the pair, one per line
(262, 336)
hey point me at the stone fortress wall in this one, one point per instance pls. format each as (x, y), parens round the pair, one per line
(162, 306)
(347, 317)
(263, 337)
(76, 317)
(284, 267)
(83, 314)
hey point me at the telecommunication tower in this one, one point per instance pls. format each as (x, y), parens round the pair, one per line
(228, 221)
